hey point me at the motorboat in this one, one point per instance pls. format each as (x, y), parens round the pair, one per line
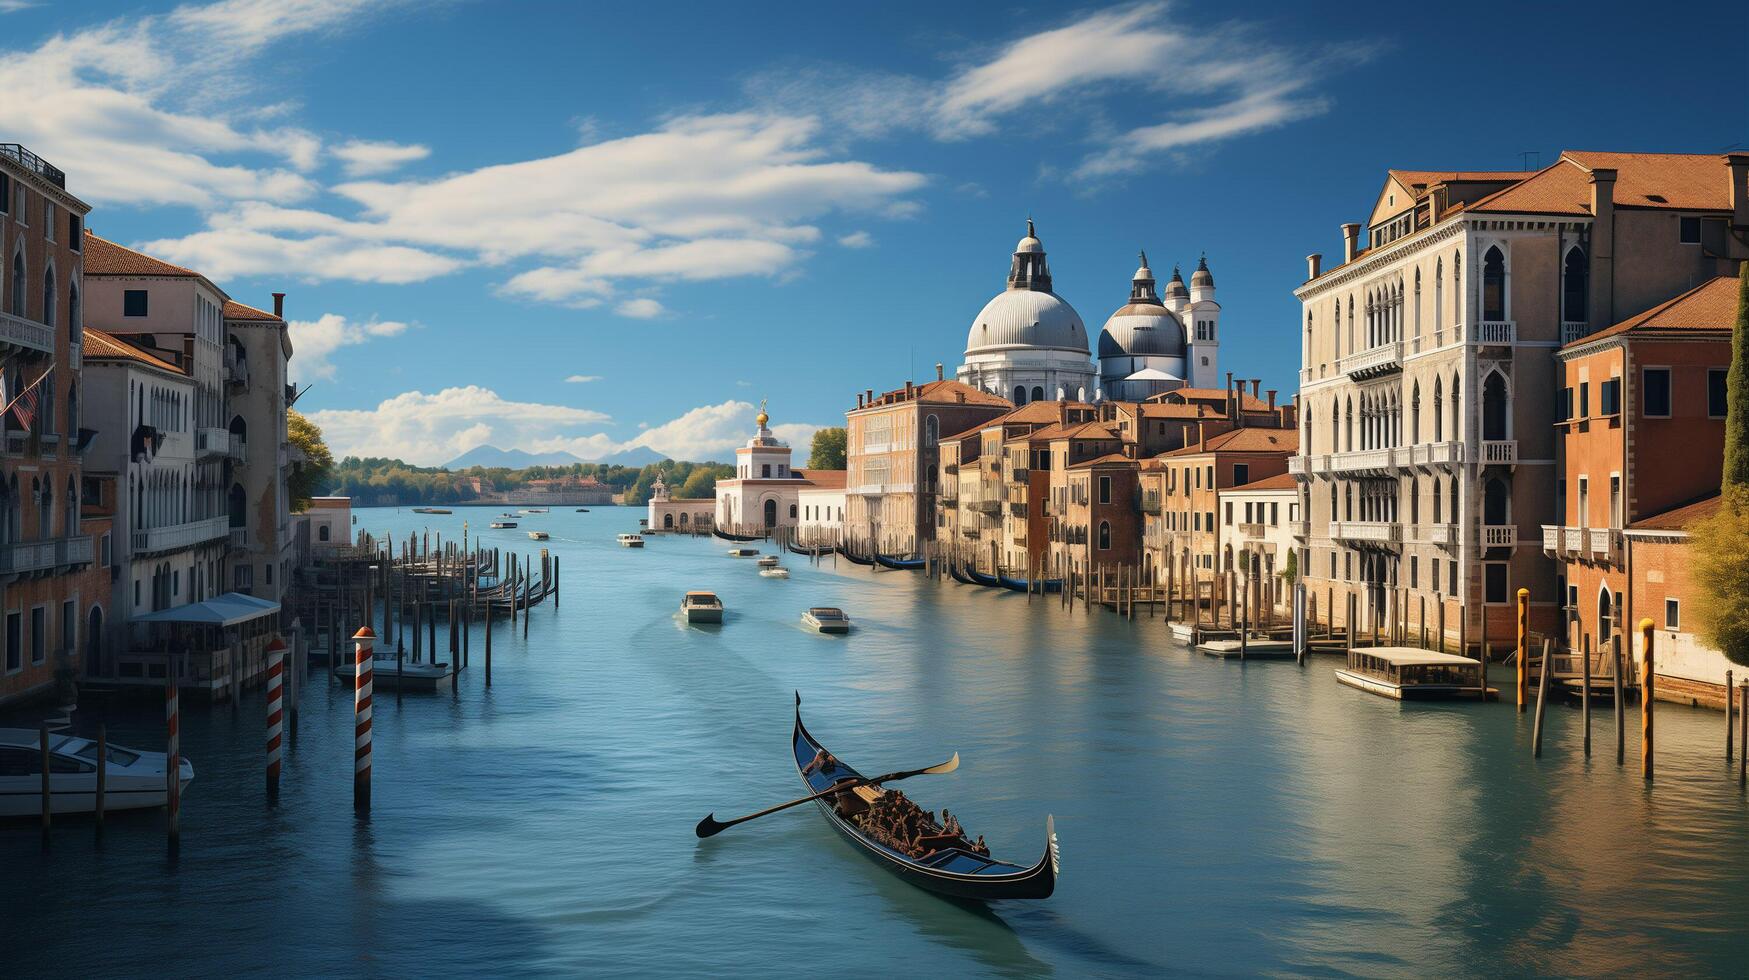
(774, 572)
(538, 535)
(767, 561)
(132, 780)
(582, 510)
(701, 607)
(503, 525)
(432, 510)
(534, 510)
(631, 541)
(743, 552)
(1410, 674)
(827, 619)
(407, 676)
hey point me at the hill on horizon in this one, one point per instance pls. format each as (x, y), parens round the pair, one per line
(516, 459)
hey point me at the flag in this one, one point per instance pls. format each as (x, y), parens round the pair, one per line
(24, 406)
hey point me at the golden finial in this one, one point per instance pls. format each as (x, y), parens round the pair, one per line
(762, 418)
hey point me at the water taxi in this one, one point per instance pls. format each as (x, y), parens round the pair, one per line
(631, 541)
(534, 510)
(582, 510)
(774, 572)
(432, 510)
(132, 779)
(1406, 674)
(538, 535)
(743, 552)
(503, 525)
(701, 607)
(827, 619)
(767, 561)
(421, 676)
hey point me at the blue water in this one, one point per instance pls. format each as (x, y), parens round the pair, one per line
(1215, 818)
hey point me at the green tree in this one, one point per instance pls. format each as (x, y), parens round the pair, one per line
(317, 464)
(702, 482)
(1737, 390)
(1291, 570)
(1719, 544)
(828, 450)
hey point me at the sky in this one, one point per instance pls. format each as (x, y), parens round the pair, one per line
(588, 227)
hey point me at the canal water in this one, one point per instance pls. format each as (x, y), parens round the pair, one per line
(1215, 818)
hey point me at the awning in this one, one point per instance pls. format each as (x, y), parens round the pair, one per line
(225, 610)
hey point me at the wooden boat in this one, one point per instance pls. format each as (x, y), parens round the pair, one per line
(701, 607)
(953, 572)
(743, 552)
(421, 676)
(631, 541)
(1409, 674)
(808, 552)
(827, 619)
(503, 525)
(774, 572)
(767, 561)
(854, 558)
(726, 536)
(132, 780)
(901, 564)
(954, 871)
(538, 535)
(979, 578)
(1022, 585)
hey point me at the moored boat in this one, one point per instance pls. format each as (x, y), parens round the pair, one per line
(854, 558)
(534, 510)
(827, 619)
(767, 561)
(979, 578)
(410, 676)
(728, 536)
(774, 572)
(901, 564)
(503, 525)
(1023, 585)
(1409, 674)
(743, 552)
(432, 510)
(953, 572)
(796, 549)
(132, 780)
(701, 607)
(631, 541)
(538, 535)
(951, 868)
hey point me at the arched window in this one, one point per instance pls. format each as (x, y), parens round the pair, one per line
(1038, 393)
(771, 513)
(1496, 421)
(1020, 394)
(322, 532)
(71, 519)
(1104, 536)
(1496, 503)
(931, 431)
(1417, 302)
(1494, 284)
(45, 513)
(1436, 502)
(94, 643)
(792, 512)
(1415, 414)
(1348, 426)
(1336, 327)
(1456, 411)
(75, 320)
(1439, 294)
(238, 506)
(18, 282)
(1605, 615)
(1308, 352)
(1575, 287)
(49, 296)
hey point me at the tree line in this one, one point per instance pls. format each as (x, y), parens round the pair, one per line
(376, 481)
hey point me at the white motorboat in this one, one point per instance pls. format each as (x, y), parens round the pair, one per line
(827, 619)
(503, 525)
(767, 561)
(534, 510)
(1406, 674)
(743, 552)
(701, 607)
(774, 572)
(132, 779)
(421, 676)
(538, 535)
(631, 541)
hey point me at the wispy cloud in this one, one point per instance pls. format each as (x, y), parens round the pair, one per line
(582, 379)
(856, 239)
(315, 341)
(642, 308)
(367, 158)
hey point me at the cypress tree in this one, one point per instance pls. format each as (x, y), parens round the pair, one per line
(1737, 392)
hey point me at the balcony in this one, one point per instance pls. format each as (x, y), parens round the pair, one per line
(1151, 506)
(177, 536)
(237, 449)
(1499, 536)
(239, 539)
(17, 153)
(1497, 332)
(1360, 461)
(987, 505)
(1442, 535)
(47, 555)
(1500, 452)
(1373, 362)
(212, 442)
(1605, 544)
(1367, 532)
(237, 372)
(1300, 529)
(19, 334)
(1571, 331)
(1297, 465)
(1253, 531)
(1432, 454)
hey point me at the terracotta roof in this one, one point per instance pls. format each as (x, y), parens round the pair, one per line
(1218, 396)
(824, 479)
(1427, 178)
(105, 258)
(941, 393)
(237, 311)
(1182, 410)
(1102, 460)
(1248, 440)
(1682, 181)
(1710, 306)
(1281, 481)
(1678, 518)
(1089, 430)
(100, 346)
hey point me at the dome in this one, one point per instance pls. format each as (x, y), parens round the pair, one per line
(1030, 243)
(1027, 318)
(1140, 329)
(1176, 286)
(1202, 276)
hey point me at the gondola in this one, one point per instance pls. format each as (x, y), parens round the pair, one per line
(953, 570)
(953, 871)
(855, 558)
(806, 552)
(979, 578)
(726, 536)
(1022, 585)
(901, 564)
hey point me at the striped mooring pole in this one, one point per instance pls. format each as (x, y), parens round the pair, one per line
(172, 753)
(361, 693)
(275, 712)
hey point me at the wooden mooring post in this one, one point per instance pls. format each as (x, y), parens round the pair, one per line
(1648, 691)
(275, 713)
(1522, 648)
(1542, 697)
(172, 754)
(1585, 692)
(1728, 719)
(1621, 736)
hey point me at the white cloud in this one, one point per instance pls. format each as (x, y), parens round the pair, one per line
(14, 6)
(314, 341)
(579, 379)
(642, 308)
(363, 158)
(856, 239)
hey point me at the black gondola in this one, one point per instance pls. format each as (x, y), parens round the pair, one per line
(953, 571)
(806, 552)
(979, 578)
(853, 557)
(1021, 585)
(901, 564)
(953, 871)
(726, 536)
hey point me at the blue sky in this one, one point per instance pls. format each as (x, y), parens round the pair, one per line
(571, 226)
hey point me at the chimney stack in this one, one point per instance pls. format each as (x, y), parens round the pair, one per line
(1350, 241)
(1256, 383)
(1602, 305)
(279, 305)
(1739, 167)
(909, 389)
(1438, 202)
(868, 396)
(1271, 394)
(1201, 435)
(1314, 266)
(938, 376)
(859, 400)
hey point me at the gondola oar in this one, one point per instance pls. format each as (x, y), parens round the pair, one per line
(710, 826)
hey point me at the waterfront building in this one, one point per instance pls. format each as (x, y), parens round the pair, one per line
(1074, 530)
(1655, 555)
(1257, 522)
(329, 523)
(1429, 460)
(1181, 503)
(765, 492)
(1640, 423)
(892, 458)
(561, 491)
(54, 588)
(1028, 342)
(254, 439)
(991, 475)
(679, 514)
(821, 507)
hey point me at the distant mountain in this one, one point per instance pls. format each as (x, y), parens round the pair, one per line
(517, 459)
(513, 459)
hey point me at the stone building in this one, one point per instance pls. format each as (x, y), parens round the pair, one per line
(682, 515)
(1181, 497)
(1257, 523)
(258, 500)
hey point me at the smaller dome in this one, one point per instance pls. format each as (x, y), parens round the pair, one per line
(1202, 276)
(1030, 244)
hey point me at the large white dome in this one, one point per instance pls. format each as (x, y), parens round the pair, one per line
(1142, 328)
(1027, 318)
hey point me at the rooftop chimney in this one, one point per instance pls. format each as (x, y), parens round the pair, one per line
(1256, 383)
(1602, 305)
(1271, 394)
(859, 400)
(1314, 266)
(909, 390)
(1201, 435)
(1739, 165)
(868, 396)
(1350, 241)
(279, 305)
(938, 376)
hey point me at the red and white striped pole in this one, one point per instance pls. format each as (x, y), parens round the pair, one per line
(361, 693)
(275, 712)
(172, 752)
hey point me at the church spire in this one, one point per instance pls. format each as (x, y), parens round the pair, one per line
(1029, 270)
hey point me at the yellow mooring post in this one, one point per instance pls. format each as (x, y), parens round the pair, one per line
(1523, 649)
